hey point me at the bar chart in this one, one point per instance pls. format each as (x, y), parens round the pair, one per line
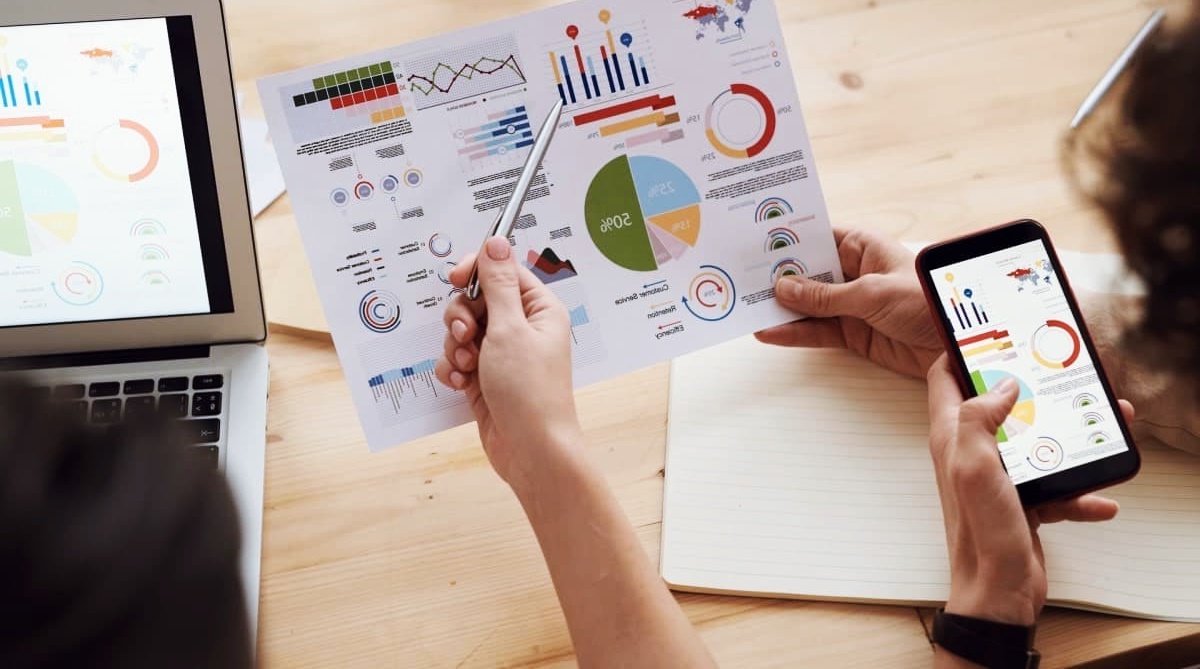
(601, 65)
(641, 121)
(16, 90)
(402, 384)
(498, 134)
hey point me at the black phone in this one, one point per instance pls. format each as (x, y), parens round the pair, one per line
(1005, 310)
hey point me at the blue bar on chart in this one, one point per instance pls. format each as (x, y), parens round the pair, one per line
(619, 78)
(504, 131)
(27, 95)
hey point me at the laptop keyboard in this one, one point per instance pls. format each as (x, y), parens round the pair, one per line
(197, 402)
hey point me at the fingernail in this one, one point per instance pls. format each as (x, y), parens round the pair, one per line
(1007, 386)
(787, 287)
(462, 358)
(498, 248)
(459, 330)
(457, 380)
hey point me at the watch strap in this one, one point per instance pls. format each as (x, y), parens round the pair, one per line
(985, 642)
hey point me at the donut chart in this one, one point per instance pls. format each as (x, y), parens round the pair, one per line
(1045, 455)
(642, 212)
(379, 311)
(117, 156)
(788, 267)
(1055, 345)
(711, 295)
(740, 122)
(80, 284)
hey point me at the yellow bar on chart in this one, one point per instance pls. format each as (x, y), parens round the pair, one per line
(657, 118)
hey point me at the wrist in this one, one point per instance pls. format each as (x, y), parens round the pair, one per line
(1002, 607)
(546, 468)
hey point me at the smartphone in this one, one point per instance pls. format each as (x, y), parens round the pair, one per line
(1004, 309)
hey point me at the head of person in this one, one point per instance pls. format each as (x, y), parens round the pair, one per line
(1146, 162)
(117, 547)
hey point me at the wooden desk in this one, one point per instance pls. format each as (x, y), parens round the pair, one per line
(928, 117)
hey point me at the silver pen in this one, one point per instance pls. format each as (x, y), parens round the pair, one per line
(1118, 67)
(508, 215)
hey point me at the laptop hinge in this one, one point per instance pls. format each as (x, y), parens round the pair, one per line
(104, 358)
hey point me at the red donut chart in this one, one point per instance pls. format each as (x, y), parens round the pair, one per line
(1057, 359)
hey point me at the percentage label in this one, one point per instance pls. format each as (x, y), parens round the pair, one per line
(593, 135)
(564, 125)
(786, 109)
(680, 226)
(618, 146)
(666, 188)
(693, 118)
(707, 157)
(6, 212)
(610, 223)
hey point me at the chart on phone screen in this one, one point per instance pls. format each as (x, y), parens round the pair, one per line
(666, 209)
(1011, 320)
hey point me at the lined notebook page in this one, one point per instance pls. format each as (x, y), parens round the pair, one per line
(803, 473)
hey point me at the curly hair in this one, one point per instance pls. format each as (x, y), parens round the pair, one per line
(117, 547)
(1147, 184)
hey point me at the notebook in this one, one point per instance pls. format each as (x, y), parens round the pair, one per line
(806, 474)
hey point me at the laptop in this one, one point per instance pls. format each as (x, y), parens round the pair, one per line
(128, 280)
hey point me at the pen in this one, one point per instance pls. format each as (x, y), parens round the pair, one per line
(508, 215)
(1114, 72)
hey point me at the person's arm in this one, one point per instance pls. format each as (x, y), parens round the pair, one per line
(618, 610)
(997, 569)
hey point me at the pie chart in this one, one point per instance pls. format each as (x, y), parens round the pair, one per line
(1023, 414)
(642, 212)
(38, 211)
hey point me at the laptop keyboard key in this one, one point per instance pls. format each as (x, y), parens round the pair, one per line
(208, 382)
(139, 387)
(206, 404)
(141, 406)
(200, 431)
(106, 389)
(211, 455)
(106, 411)
(78, 410)
(173, 406)
(70, 392)
(172, 384)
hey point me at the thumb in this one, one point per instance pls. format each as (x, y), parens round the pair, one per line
(500, 282)
(983, 415)
(824, 300)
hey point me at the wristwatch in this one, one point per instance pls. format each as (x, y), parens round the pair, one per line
(985, 642)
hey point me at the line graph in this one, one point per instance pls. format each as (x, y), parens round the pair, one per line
(468, 71)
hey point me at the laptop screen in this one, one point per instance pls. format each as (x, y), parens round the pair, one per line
(108, 202)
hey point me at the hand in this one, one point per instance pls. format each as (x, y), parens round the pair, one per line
(880, 313)
(997, 570)
(510, 352)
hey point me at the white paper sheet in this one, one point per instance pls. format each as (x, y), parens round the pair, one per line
(679, 186)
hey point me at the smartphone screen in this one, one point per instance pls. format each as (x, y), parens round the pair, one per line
(1011, 319)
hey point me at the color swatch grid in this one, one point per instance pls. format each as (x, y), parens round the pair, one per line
(352, 87)
(344, 102)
